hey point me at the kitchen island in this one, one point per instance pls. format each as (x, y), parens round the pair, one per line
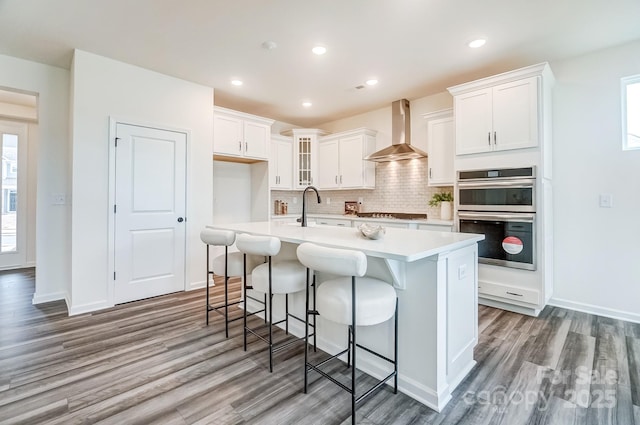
(436, 276)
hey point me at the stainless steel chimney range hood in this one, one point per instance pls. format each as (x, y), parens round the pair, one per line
(401, 148)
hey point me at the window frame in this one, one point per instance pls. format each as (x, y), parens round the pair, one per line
(624, 83)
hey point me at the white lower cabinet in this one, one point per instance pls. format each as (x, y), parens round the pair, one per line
(333, 222)
(509, 293)
(357, 223)
(436, 227)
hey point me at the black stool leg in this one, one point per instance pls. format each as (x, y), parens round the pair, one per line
(306, 331)
(207, 304)
(395, 352)
(270, 321)
(315, 332)
(286, 314)
(226, 292)
(246, 299)
(353, 331)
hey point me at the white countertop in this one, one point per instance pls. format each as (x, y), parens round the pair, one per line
(397, 244)
(433, 221)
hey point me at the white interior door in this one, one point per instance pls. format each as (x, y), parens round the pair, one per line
(13, 202)
(150, 176)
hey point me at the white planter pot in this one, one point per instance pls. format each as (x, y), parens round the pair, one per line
(445, 211)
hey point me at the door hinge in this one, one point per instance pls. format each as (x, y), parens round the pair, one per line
(117, 138)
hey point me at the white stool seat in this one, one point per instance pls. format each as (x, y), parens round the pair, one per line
(235, 265)
(375, 301)
(217, 237)
(289, 276)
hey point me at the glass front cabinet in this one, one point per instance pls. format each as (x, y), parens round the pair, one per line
(305, 162)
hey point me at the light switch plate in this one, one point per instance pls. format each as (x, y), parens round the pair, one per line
(462, 271)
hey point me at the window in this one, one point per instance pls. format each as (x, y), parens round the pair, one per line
(631, 112)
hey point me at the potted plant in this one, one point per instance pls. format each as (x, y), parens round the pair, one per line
(444, 200)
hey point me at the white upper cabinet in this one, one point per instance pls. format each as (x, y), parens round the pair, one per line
(240, 137)
(340, 160)
(281, 163)
(305, 156)
(440, 147)
(499, 113)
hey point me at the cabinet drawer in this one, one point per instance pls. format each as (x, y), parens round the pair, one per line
(529, 296)
(333, 222)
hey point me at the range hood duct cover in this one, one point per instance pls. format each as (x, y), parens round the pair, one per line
(401, 148)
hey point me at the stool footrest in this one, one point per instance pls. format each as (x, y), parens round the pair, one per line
(375, 354)
(313, 312)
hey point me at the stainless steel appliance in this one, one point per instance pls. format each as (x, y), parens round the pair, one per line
(501, 205)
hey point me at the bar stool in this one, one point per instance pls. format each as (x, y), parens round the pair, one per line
(273, 277)
(227, 265)
(365, 302)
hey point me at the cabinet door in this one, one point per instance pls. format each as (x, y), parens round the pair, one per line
(285, 165)
(515, 114)
(473, 122)
(441, 141)
(350, 162)
(256, 140)
(304, 161)
(328, 166)
(227, 135)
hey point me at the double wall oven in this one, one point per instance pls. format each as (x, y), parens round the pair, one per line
(501, 204)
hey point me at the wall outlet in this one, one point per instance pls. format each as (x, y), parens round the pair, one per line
(328, 201)
(606, 200)
(58, 198)
(462, 271)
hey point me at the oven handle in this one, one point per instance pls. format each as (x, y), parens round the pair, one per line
(493, 183)
(527, 218)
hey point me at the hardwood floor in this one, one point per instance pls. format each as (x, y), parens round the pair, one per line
(155, 362)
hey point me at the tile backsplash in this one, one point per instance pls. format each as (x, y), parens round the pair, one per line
(400, 187)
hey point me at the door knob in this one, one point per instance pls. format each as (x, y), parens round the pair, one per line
(180, 219)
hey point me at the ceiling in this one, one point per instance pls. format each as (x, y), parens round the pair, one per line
(413, 47)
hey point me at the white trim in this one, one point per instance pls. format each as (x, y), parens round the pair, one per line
(113, 122)
(624, 82)
(45, 298)
(198, 285)
(594, 309)
(529, 311)
(88, 308)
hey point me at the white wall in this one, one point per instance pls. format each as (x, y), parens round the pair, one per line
(48, 168)
(597, 250)
(104, 88)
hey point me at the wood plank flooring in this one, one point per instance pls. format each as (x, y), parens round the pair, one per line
(155, 362)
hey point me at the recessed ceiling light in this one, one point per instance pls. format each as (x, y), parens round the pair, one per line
(269, 45)
(306, 104)
(477, 43)
(236, 82)
(319, 50)
(372, 82)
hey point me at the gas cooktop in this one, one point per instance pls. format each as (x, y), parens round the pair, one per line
(402, 216)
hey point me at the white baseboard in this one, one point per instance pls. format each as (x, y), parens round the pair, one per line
(45, 298)
(594, 309)
(508, 306)
(198, 285)
(87, 308)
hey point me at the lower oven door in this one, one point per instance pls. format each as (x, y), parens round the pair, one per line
(509, 238)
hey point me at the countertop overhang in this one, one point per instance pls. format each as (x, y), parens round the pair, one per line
(406, 245)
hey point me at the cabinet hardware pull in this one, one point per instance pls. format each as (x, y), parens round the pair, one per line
(336, 179)
(245, 147)
(495, 139)
(513, 293)
(340, 178)
(429, 172)
(489, 137)
(239, 145)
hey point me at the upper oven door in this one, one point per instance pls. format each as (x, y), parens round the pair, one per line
(516, 195)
